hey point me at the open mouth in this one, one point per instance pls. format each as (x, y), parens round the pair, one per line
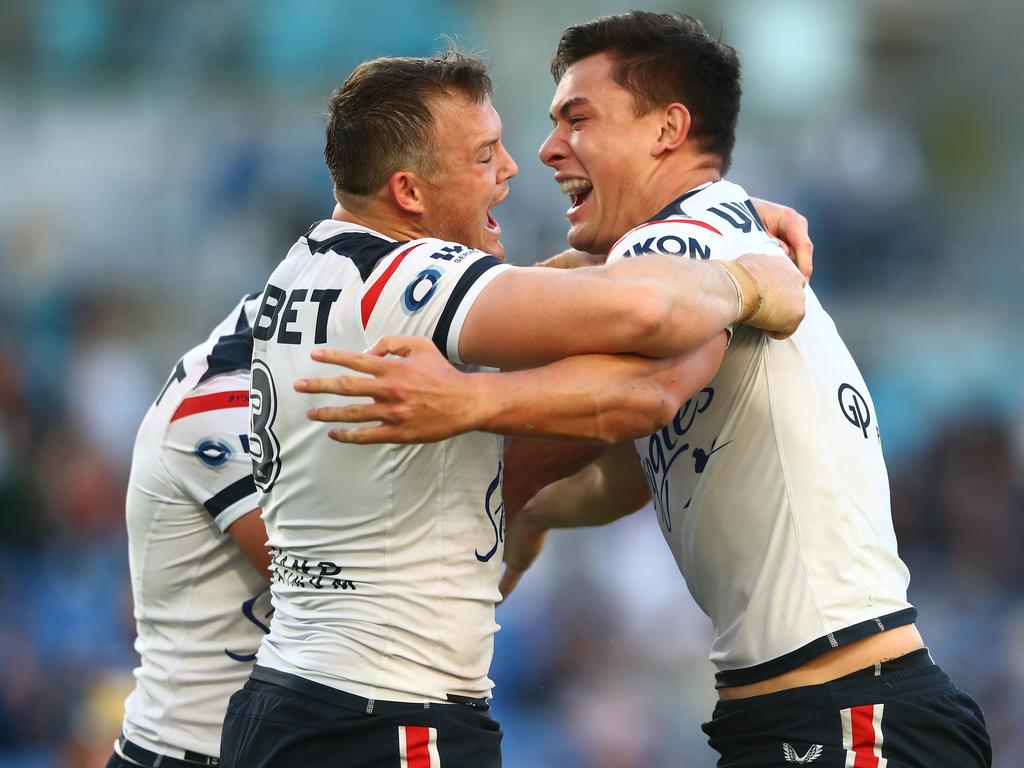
(578, 191)
(492, 225)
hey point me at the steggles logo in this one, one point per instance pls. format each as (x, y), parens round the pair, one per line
(810, 756)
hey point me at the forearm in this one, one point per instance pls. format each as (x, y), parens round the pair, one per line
(531, 316)
(598, 494)
(531, 465)
(696, 301)
(591, 398)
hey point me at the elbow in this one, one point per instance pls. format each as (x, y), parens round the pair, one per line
(649, 322)
(638, 415)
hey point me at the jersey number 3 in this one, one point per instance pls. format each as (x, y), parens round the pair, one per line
(264, 447)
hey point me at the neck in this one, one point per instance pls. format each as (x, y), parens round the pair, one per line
(373, 214)
(668, 184)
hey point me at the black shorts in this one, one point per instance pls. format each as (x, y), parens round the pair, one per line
(295, 722)
(905, 713)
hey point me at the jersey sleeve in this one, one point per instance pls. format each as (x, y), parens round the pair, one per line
(206, 449)
(427, 290)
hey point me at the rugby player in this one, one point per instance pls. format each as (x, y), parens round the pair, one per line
(769, 484)
(385, 560)
(197, 554)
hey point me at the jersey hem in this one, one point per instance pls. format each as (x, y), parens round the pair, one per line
(812, 650)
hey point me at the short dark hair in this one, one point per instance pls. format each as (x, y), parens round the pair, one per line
(663, 58)
(379, 120)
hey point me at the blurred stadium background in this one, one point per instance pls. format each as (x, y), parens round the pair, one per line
(160, 157)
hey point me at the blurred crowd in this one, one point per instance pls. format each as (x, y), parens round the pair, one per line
(166, 155)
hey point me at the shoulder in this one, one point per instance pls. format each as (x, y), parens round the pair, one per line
(678, 235)
(221, 402)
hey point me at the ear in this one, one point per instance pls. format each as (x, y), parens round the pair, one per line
(675, 129)
(406, 190)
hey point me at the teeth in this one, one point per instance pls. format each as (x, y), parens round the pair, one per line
(575, 186)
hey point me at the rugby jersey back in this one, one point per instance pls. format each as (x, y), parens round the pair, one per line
(385, 557)
(200, 606)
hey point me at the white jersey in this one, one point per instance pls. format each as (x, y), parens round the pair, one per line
(769, 485)
(386, 557)
(200, 606)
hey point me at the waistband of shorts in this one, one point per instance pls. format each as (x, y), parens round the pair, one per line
(339, 698)
(913, 660)
(812, 650)
(912, 675)
(134, 753)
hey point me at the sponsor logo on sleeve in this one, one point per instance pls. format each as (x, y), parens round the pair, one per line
(213, 452)
(420, 290)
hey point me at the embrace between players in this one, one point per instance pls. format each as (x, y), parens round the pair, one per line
(385, 544)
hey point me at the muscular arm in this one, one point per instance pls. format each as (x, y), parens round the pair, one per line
(600, 493)
(656, 305)
(250, 535)
(420, 397)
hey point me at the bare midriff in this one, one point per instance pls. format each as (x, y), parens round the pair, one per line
(835, 663)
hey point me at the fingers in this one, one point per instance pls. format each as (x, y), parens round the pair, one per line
(402, 346)
(791, 227)
(796, 233)
(370, 435)
(509, 579)
(364, 362)
(352, 386)
(780, 289)
(350, 414)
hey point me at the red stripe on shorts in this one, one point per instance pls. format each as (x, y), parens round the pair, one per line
(861, 718)
(416, 739)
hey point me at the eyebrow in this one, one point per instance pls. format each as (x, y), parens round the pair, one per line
(568, 105)
(487, 143)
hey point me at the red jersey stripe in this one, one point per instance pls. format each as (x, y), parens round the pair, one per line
(370, 298)
(215, 402)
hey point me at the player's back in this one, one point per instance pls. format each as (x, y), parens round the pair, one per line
(385, 557)
(770, 485)
(200, 606)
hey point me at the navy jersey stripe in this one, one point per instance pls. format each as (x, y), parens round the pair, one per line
(231, 353)
(235, 492)
(361, 248)
(814, 649)
(470, 276)
(675, 208)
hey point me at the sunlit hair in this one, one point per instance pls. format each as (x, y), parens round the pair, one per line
(661, 58)
(380, 121)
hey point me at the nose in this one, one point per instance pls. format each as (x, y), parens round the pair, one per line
(509, 166)
(553, 150)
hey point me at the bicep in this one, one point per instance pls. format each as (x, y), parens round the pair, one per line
(531, 316)
(250, 536)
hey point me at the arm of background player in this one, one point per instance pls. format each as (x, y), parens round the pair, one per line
(532, 464)
(608, 489)
(250, 535)
(418, 396)
(657, 306)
